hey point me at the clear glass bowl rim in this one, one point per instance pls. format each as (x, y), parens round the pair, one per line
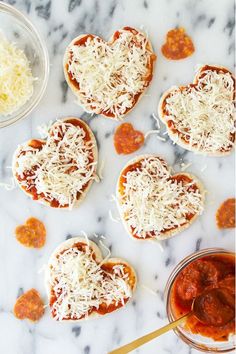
(182, 264)
(45, 57)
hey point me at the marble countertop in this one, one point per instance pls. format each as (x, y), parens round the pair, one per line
(211, 25)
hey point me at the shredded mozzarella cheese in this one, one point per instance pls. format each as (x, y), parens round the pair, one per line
(117, 220)
(61, 168)
(80, 285)
(16, 80)
(156, 131)
(204, 115)
(153, 203)
(157, 120)
(110, 75)
(8, 186)
(185, 166)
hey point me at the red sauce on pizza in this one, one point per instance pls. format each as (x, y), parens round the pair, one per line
(36, 144)
(206, 273)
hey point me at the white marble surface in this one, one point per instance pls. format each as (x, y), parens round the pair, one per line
(210, 23)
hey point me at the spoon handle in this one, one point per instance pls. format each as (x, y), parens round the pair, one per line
(144, 339)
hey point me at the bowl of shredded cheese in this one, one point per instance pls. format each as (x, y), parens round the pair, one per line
(24, 66)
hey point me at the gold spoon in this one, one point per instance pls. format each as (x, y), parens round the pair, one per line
(224, 312)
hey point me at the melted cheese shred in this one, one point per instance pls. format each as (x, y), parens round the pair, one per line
(80, 285)
(16, 80)
(204, 115)
(62, 168)
(110, 76)
(152, 203)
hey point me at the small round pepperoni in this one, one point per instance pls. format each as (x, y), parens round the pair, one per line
(30, 306)
(178, 45)
(127, 140)
(32, 234)
(225, 215)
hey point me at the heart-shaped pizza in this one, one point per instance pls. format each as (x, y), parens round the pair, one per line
(153, 203)
(200, 116)
(81, 284)
(59, 170)
(108, 78)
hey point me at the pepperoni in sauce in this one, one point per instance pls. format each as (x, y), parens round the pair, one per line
(32, 233)
(127, 140)
(225, 215)
(29, 306)
(178, 45)
(204, 274)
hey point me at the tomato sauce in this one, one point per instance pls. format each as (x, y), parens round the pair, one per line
(206, 273)
(179, 178)
(36, 144)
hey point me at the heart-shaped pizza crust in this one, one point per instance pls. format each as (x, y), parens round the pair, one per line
(108, 78)
(127, 140)
(32, 233)
(81, 284)
(200, 116)
(153, 203)
(29, 306)
(58, 171)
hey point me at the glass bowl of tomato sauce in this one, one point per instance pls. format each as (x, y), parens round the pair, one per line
(201, 271)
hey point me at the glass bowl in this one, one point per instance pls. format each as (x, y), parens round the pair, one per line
(19, 30)
(198, 342)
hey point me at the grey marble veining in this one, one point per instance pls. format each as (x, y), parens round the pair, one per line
(211, 25)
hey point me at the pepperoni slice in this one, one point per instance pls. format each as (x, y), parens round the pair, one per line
(32, 233)
(30, 306)
(178, 45)
(127, 140)
(225, 215)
